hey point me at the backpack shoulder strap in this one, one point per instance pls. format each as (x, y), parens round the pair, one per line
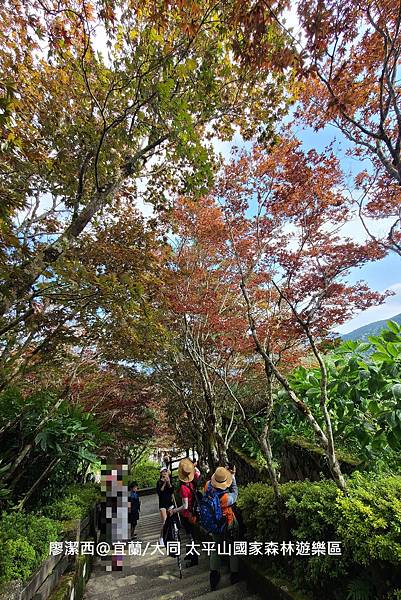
(208, 489)
(189, 487)
(215, 491)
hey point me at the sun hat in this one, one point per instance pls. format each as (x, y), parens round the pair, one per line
(163, 469)
(222, 478)
(186, 470)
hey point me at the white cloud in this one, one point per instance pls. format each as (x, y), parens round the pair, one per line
(225, 148)
(145, 208)
(355, 230)
(291, 22)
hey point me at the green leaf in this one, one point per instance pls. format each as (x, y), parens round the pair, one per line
(84, 454)
(362, 347)
(378, 442)
(381, 357)
(42, 439)
(393, 326)
(392, 441)
(393, 349)
(374, 408)
(396, 390)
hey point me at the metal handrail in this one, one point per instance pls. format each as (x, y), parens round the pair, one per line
(176, 460)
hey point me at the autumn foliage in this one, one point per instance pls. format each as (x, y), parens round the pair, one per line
(192, 320)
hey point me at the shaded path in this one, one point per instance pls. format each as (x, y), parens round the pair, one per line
(156, 577)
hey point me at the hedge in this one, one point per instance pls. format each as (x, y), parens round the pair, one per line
(367, 522)
(75, 504)
(25, 537)
(146, 474)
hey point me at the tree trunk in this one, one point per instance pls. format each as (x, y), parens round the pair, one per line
(27, 275)
(48, 469)
(28, 447)
(270, 367)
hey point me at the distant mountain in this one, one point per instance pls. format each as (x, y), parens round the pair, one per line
(362, 333)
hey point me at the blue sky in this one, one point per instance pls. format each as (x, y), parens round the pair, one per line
(380, 275)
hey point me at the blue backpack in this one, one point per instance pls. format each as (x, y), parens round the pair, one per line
(211, 514)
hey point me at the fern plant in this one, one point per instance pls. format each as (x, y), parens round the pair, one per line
(360, 589)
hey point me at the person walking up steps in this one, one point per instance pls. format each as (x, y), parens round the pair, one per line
(166, 460)
(164, 490)
(217, 516)
(188, 475)
(134, 505)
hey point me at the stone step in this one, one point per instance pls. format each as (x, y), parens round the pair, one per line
(156, 576)
(139, 562)
(154, 536)
(152, 540)
(149, 567)
(148, 518)
(186, 588)
(230, 592)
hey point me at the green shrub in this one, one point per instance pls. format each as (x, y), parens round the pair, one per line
(364, 394)
(370, 519)
(146, 474)
(77, 501)
(367, 521)
(18, 560)
(260, 511)
(24, 539)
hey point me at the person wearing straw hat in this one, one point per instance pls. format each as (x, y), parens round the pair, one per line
(188, 474)
(223, 482)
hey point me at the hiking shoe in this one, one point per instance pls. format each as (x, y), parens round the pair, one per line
(194, 560)
(214, 579)
(191, 560)
(234, 578)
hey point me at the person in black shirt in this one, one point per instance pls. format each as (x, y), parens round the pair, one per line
(164, 490)
(134, 506)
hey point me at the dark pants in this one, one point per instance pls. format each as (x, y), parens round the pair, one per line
(215, 558)
(190, 530)
(228, 536)
(133, 519)
(188, 527)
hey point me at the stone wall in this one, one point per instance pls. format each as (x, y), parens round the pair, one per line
(59, 577)
(300, 460)
(248, 470)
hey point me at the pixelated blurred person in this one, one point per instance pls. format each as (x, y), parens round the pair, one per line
(115, 490)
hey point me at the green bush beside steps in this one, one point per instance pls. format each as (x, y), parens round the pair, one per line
(25, 537)
(146, 474)
(367, 522)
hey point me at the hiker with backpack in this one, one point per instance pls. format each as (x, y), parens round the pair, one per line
(188, 474)
(218, 518)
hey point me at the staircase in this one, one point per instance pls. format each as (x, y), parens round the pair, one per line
(157, 577)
